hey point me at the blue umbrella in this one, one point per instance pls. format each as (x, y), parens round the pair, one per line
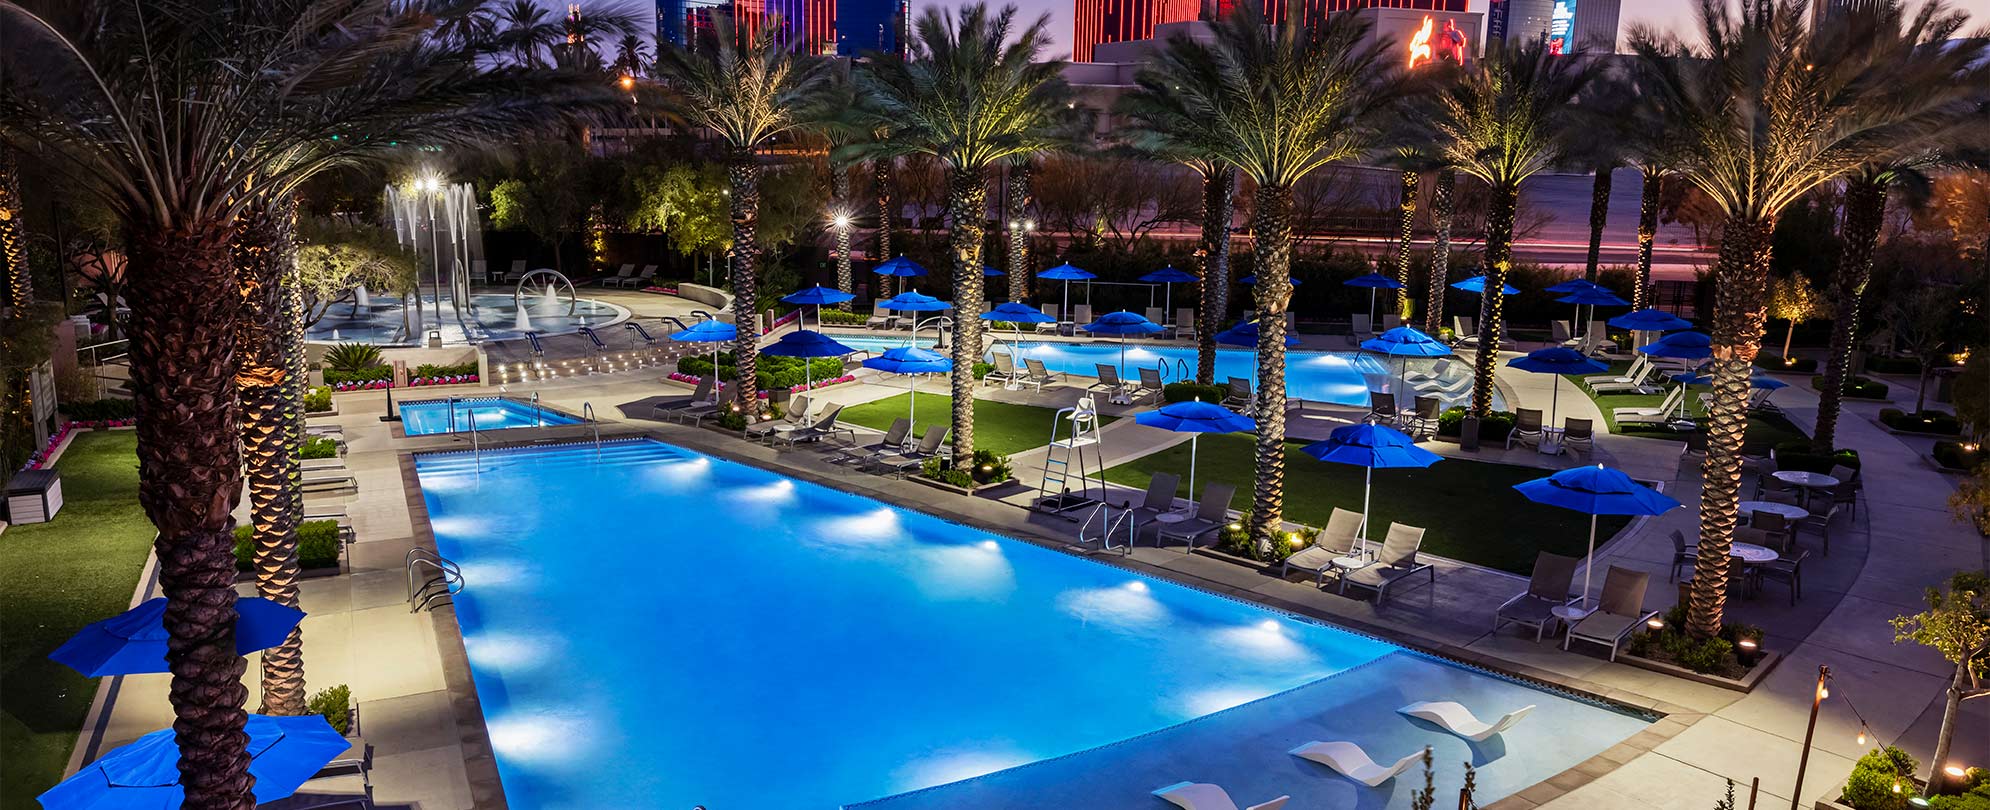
(284, 753)
(1195, 418)
(1593, 491)
(1577, 284)
(911, 360)
(816, 296)
(1369, 447)
(1650, 320)
(1245, 334)
(134, 641)
(1169, 276)
(711, 331)
(899, 266)
(1016, 312)
(1595, 297)
(1557, 360)
(1122, 323)
(1405, 342)
(915, 301)
(1373, 281)
(1754, 380)
(1681, 345)
(1477, 284)
(1067, 274)
(990, 272)
(805, 344)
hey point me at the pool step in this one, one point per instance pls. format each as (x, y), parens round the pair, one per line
(617, 454)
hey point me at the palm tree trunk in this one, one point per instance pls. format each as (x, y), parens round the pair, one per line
(1405, 229)
(839, 189)
(881, 184)
(1271, 224)
(1219, 186)
(744, 174)
(1648, 195)
(264, 248)
(1492, 305)
(1599, 216)
(1741, 278)
(13, 237)
(1440, 250)
(1865, 210)
(183, 304)
(1016, 211)
(967, 207)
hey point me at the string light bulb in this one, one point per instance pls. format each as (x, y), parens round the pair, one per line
(1862, 738)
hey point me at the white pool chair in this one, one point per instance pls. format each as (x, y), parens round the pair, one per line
(1651, 416)
(1350, 761)
(1205, 796)
(1459, 720)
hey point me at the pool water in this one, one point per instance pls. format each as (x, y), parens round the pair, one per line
(425, 417)
(489, 316)
(648, 626)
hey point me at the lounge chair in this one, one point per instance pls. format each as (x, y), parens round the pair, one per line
(823, 427)
(1459, 720)
(1005, 369)
(1360, 327)
(1381, 409)
(1644, 382)
(1547, 590)
(1437, 372)
(1238, 395)
(1347, 759)
(1465, 329)
(1040, 375)
(481, 271)
(1150, 386)
(516, 272)
(701, 397)
(794, 418)
(636, 282)
(327, 482)
(1335, 541)
(1651, 416)
(1391, 320)
(1597, 338)
(1394, 562)
(1049, 325)
(1619, 612)
(1185, 323)
(899, 462)
(892, 441)
(1204, 796)
(1157, 315)
(1159, 500)
(1081, 314)
(1559, 332)
(881, 318)
(320, 464)
(627, 271)
(1579, 433)
(1527, 428)
(1210, 514)
(1633, 374)
(1109, 381)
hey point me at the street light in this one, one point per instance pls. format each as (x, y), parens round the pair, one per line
(429, 185)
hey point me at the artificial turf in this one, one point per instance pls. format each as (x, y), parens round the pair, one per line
(1003, 427)
(1765, 431)
(56, 577)
(1469, 509)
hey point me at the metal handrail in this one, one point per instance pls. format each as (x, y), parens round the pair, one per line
(448, 576)
(587, 414)
(476, 451)
(538, 415)
(452, 409)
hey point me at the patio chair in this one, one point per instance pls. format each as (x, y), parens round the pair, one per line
(881, 318)
(1005, 369)
(824, 427)
(1349, 760)
(899, 462)
(1395, 561)
(1040, 375)
(1423, 416)
(1150, 386)
(1210, 514)
(638, 281)
(481, 270)
(795, 417)
(1846, 494)
(1334, 542)
(1381, 409)
(1559, 333)
(1360, 327)
(1787, 569)
(1619, 612)
(1050, 325)
(1391, 320)
(1238, 395)
(1684, 555)
(1081, 314)
(1547, 590)
(1157, 315)
(1651, 416)
(1825, 499)
(1598, 338)
(1109, 381)
(1457, 719)
(1185, 323)
(1632, 374)
(1526, 426)
(700, 396)
(627, 271)
(1645, 381)
(1159, 500)
(1205, 796)
(892, 440)
(516, 272)
(1464, 329)
(1579, 433)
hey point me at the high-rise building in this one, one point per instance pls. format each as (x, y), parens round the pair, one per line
(1515, 21)
(1595, 29)
(823, 27)
(1096, 22)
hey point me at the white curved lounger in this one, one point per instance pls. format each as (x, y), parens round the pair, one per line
(1460, 720)
(1352, 762)
(1205, 796)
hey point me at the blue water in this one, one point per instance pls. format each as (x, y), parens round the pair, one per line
(428, 416)
(1341, 378)
(703, 632)
(489, 316)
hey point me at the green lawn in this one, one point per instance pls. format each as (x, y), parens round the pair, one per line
(1764, 430)
(999, 426)
(54, 578)
(1468, 507)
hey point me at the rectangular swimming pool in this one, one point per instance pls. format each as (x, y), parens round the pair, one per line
(424, 417)
(652, 627)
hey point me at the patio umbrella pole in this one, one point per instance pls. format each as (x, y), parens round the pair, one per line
(1367, 488)
(1371, 307)
(1193, 504)
(1589, 561)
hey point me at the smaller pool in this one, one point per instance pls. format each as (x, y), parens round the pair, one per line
(425, 417)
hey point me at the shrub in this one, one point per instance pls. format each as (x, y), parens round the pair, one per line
(1954, 456)
(1975, 793)
(772, 372)
(450, 370)
(318, 447)
(981, 369)
(1771, 362)
(1713, 656)
(335, 704)
(732, 420)
(930, 468)
(990, 467)
(99, 410)
(1870, 787)
(317, 400)
(317, 545)
(1491, 429)
(1931, 421)
(1856, 387)
(1893, 365)
(1706, 655)
(367, 374)
(1185, 391)
(1797, 455)
(841, 318)
(352, 357)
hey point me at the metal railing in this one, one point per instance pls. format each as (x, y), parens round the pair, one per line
(476, 451)
(440, 588)
(587, 413)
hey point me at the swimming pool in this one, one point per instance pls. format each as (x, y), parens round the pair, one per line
(489, 316)
(423, 417)
(708, 633)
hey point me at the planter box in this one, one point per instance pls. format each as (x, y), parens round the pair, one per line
(942, 485)
(344, 567)
(1930, 459)
(1747, 683)
(333, 411)
(1255, 565)
(1898, 432)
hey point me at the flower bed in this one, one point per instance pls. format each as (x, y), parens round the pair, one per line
(1958, 456)
(40, 458)
(1932, 423)
(660, 290)
(764, 393)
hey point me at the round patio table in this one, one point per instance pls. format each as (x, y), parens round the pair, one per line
(1774, 508)
(1749, 552)
(1805, 479)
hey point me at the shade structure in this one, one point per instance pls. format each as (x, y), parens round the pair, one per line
(1405, 342)
(816, 296)
(1370, 447)
(1650, 320)
(899, 266)
(134, 641)
(1196, 417)
(991, 272)
(1682, 346)
(1374, 282)
(1066, 273)
(284, 753)
(910, 361)
(711, 331)
(1477, 284)
(1169, 276)
(806, 344)
(1122, 323)
(1576, 284)
(1245, 334)
(1016, 312)
(1557, 360)
(1593, 491)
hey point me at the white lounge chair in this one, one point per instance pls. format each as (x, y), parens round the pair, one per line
(1335, 541)
(1651, 416)
(1360, 327)
(1350, 761)
(1459, 720)
(1049, 325)
(1644, 382)
(1633, 374)
(1185, 323)
(1205, 796)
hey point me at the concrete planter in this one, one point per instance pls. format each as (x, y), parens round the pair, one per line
(1745, 684)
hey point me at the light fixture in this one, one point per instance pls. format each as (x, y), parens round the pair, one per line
(1655, 623)
(1956, 771)
(1862, 738)
(628, 82)
(1918, 801)
(1824, 693)
(842, 220)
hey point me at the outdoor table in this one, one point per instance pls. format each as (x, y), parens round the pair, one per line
(1805, 479)
(1551, 441)
(1786, 510)
(1571, 614)
(1751, 553)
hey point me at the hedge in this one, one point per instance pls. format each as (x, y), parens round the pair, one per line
(317, 545)
(1953, 455)
(1797, 455)
(841, 318)
(318, 447)
(1856, 387)
(1893, 365)
(1185, 391)
(772, 372)
(450, 370)
(368, 374)
(1924, 422)
(1493, 428)
(99, 410)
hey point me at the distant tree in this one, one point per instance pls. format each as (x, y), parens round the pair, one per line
(547, 200)
(1920, 320)
(334, 260)
(1793, 299)
(1957, 625)
(1114, 202)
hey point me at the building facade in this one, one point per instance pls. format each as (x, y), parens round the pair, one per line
(1516, 21)
(822, 27)
(1099, 22)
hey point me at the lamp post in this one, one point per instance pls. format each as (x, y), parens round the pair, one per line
(429, 185)
(1816, 700)
(843, 274)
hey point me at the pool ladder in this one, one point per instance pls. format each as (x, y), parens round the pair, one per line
(1102, 515)
(444, 581)
(587, 414)
(476, 450)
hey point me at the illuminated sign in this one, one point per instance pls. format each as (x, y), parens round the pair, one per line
(1560, 24)
(1420, 43)
(1430, 43)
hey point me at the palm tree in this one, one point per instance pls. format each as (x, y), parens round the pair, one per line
(1015, 212)
(528, 32)
(749, 89)
(1503, 120)
(181, 118)
(881, 169)
(1212, 253)
(1411, 159)
(1277, 102)
(1442, 198)
(13, 237)
(971, 98)
(1769, 110)
(632, 56)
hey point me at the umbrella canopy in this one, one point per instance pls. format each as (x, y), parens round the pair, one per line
(1650, 320)
(991, 272)
(284, 752)
(816, 296)
(911, 360)
(1594, 297)
(1477, 284)
(899, 266)
(1196, 417)
(1577, 284)
(804, 343)
(1406, 341)
(1253, 279)
(134, 641)
(1754, 381)
(1372, 447)
(1065, 272)
(709, 331)
(1016, 313)
(915, 301)
(1122, 323)
(1245, 334)
(1168, 275)
(1593, 491)
(1558, 361)
(1374, 281)
(1681, 345)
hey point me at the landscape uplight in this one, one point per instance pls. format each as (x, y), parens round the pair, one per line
(842, 220)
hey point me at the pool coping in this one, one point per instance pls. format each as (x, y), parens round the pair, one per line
(480, 761)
